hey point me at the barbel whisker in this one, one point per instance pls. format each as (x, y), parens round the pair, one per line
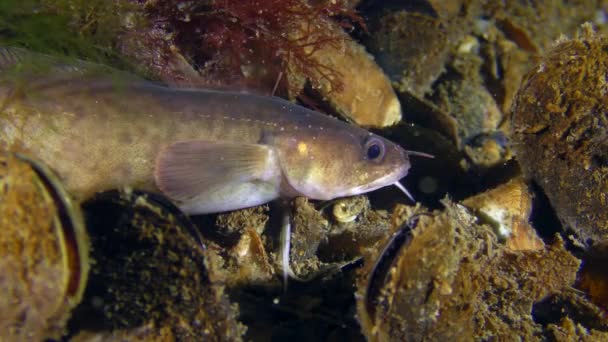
(419, 154)
(402, 188)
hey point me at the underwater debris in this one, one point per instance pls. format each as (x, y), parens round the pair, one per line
(507, 209)
(320, 243)
(518, 20)
(560, 132)
(569, 330)
(44, 251)
(233, 222)
(469, 104)
(310, 228)
(253, 263)
(570, 316)
(241, 235)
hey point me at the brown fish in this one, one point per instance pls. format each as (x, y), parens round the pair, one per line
(207, 150)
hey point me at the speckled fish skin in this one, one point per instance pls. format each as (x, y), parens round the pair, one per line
(101, 131)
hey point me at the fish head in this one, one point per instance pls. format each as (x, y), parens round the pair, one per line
(338, 163)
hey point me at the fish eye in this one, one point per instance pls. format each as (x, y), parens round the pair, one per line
(374, 149)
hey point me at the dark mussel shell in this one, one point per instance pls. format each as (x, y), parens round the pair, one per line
(151, 268)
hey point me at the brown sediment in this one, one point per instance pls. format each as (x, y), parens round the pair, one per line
(569, 330)
(320, 244)
(249, 263)
(346, 240)
(251, 218)
(309, 229)
(569, 316)
(246, 247)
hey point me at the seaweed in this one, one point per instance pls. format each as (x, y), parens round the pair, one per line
(226, 40)
(75, 28)
(271, 37)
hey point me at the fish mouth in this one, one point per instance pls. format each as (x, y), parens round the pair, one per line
(386, 180)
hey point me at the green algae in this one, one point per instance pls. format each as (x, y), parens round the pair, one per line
(75, 28)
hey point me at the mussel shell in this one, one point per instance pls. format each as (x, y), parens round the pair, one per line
(380, 272)
(44, 251)
(560, 132)
(151, 268)
(444, 276)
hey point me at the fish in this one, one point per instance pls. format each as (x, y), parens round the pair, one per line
(207, 150)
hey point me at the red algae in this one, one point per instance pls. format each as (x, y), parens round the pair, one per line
(290, 49)
(253, 38)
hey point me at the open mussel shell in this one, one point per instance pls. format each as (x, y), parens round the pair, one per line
(445, 276)
(44, 251)
(151, 270)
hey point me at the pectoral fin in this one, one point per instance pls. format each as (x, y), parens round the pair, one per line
(203, 176)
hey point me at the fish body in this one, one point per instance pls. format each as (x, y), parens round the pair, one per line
(207, 150)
